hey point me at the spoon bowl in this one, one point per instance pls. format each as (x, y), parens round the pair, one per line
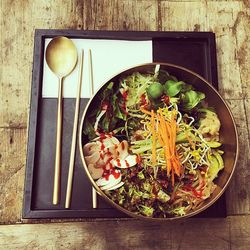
(61, 57)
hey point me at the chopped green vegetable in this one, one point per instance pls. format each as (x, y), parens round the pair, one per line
(116, 108)
(155, 90)
(191, 99)
(136, 85)
(88, 129)
(180, 211)
(216, 164)
(141, 175)
(148, 211)
(185, 137)
(172, 88)
(107, 92)
(147, 187)
(213, 144)
(162, 196)
(219, 159)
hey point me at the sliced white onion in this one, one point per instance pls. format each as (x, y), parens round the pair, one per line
(91, 147)
(128, 162)
(108, 141)
(111, 152)
(122, 150)
(116, 186)
(98, 119)
(93, 158)
(112, 183)
(114, 140)
(95, 173)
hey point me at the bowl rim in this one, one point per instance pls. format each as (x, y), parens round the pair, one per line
(120, 208)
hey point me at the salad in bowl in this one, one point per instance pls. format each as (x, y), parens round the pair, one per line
(152, 143)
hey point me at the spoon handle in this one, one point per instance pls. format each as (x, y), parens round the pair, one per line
(57, 172)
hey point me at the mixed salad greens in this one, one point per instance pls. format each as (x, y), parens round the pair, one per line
(153, 144)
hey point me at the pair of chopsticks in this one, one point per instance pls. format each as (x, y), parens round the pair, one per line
(73, 143)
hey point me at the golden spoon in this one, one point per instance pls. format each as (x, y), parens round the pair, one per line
(61, 57)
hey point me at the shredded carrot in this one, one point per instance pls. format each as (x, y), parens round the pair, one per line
(166, 135)
(143, 110)
(168, 161)
(172, 177)
(160, 139)
(165, 138)
(170, 135)
(176, 166)
(172, 128)
(153, 138)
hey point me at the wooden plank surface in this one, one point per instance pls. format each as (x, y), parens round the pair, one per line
(247, 110)
(230, 20)
(120, 15)
(12, 166)
(238, 193)
(230, 233)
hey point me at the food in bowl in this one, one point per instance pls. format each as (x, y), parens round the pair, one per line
(153, 144)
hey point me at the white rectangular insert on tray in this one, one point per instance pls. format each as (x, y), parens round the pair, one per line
(109, 57)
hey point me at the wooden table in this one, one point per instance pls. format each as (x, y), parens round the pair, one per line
(230, 20)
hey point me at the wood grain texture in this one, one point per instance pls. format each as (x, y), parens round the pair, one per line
(226, 19)
(12, 165)
(18, 19)
(247, 111)
(120, 15)
(218, 234)
(241, 31)
(240, 233)
(223, 19)
(15, 77)
(238, 193)
(18, 22)
(172, 15)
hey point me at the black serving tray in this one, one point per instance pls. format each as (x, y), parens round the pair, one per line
(193, 50)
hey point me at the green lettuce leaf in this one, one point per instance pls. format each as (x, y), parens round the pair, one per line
(88, 129)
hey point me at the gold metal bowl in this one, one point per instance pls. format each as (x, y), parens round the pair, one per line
(228, 133)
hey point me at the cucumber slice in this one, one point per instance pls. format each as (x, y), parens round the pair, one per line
(219, 159)
(213, 144)
(216, 164)
(213, 167)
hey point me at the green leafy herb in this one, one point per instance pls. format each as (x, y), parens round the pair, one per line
(88, 130)
(172, 88)
(191, 98)
(155, 90)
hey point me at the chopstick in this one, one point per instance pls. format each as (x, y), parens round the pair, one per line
(73, 143)
(94, 195)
